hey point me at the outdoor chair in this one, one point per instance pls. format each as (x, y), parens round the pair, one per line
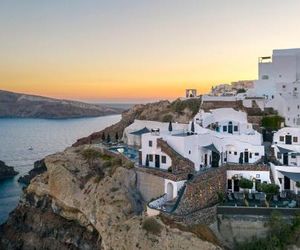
(241, 196)
(257, 196)
(285, 203)
(275, 198)
(235, 195)
(229, 196)
(292, 204)
(250, 196)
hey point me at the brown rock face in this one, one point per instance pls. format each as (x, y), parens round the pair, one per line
(82, 203)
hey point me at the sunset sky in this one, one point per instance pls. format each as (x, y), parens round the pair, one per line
(138, 50)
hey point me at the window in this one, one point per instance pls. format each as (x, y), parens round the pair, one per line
(295, 89)
(293, 155)
(257, 176)
(190, 152)
(163, 159)
(230, 152)
(235, 128)
(150, 143)
(250, 156)
(298, 106)
(295, 139)
(281, 138)
(256, 154)
(283, 86)
(235, 153)
(278, 155)
(150, 157)
(224, 128)
(265, 77)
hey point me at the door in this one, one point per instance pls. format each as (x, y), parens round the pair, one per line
(229, 184)
(288, 139)
(230, 127)
(236, 187)
(287, 183)
(215, 160)
(241, 161)
(157, 161)
(246, 157)
(286, 159)
(205, 159)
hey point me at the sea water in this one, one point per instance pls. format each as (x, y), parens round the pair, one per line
(24, 141)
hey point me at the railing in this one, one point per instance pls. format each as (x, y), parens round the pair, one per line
(180, 194)
(230, 210)
(158, 203)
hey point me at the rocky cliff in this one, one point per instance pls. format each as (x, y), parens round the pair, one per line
(87, 199)
(181, 111)
(6, 171)
(29, 106)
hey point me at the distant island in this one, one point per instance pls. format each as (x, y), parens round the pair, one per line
(18, 105)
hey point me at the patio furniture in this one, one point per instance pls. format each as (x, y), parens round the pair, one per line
(292, 204)
(283, 195)
(275, 198)
(235, 195)
(257, 196)
(229, 196)
(285, 203)
(250, 196)
(262, 196)
(241, 196)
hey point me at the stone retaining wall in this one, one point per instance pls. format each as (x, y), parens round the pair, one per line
(179, 163)
(202, 191)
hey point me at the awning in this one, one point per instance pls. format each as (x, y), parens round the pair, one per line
(284, 150)
(141, 131)
(292, 176)
(212, 148)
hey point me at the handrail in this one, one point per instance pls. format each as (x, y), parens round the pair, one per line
(180, 194)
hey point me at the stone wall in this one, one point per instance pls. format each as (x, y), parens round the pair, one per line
(248, 167)
(204, 216)
(202, 191)
(150, 186)
(179, 163)
(208, 105)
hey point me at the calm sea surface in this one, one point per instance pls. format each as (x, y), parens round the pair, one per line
(45, 137)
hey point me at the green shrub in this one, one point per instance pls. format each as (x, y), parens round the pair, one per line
(167, 118)
(272, 122)
(129, 165)
(245, 183)
(193, 105)
(151, 225)
(269, 189)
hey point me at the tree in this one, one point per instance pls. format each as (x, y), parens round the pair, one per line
(193, 127)
(170, 127)
(245, 183)
(269, 189)
(108, 138)
(90, 155)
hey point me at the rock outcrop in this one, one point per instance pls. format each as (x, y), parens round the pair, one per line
(6, 171)
(38, 168)
(29, 106)
(88, 199)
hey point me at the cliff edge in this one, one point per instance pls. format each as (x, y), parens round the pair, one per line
(87, 199)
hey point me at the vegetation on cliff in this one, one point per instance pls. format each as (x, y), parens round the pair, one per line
(282, 235)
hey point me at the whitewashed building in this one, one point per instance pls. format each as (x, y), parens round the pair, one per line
(221, 136)
(286, 145)
(279, 84)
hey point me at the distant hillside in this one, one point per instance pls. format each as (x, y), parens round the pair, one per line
(30, 106)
